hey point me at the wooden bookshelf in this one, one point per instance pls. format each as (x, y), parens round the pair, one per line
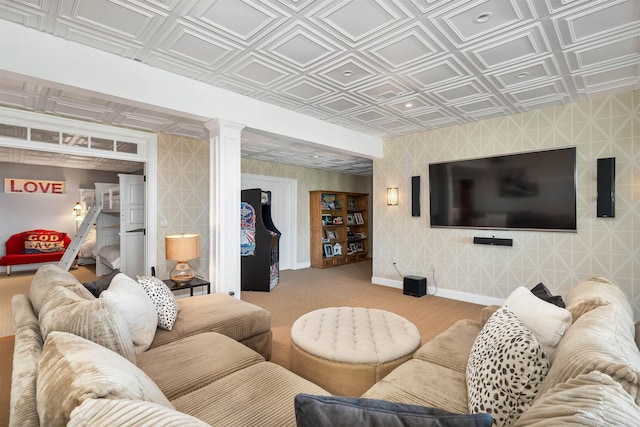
(339, 227)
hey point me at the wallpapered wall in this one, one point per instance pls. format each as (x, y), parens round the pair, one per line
(308, 180)
(606, 127)
(183, 197)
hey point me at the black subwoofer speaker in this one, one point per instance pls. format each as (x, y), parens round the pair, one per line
(415, 286)
(606, 186)
(415, 196)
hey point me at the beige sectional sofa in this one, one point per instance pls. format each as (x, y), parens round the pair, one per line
(198, 373)
(74, 363)
(593, 376)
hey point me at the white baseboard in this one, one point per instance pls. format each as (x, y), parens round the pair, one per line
(444, 293)
(301, 265)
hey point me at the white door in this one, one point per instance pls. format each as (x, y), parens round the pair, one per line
(283, 211)
(132, 202)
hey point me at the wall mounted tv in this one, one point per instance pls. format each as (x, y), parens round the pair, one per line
(527, 191)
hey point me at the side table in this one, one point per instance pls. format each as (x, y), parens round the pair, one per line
(194, 283)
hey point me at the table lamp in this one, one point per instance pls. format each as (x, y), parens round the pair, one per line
(182, 248)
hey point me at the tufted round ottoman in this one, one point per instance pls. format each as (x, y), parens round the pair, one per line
(346, 350)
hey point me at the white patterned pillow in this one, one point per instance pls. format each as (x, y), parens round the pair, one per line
(165, 301)
(505, 369)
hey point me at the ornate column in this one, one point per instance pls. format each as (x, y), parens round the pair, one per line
(224, 206)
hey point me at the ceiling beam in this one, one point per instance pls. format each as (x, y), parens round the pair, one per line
(36, 56)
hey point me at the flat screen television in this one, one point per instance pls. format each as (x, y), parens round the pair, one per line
(526, 191)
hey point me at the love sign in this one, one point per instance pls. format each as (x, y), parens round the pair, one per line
(34, 186)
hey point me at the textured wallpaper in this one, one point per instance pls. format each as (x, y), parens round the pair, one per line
(183, 196)
(308, 180)
(609, 247)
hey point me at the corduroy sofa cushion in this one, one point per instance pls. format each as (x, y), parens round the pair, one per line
(49, 276)
(416, 382)
(259, 395)
(220, 313)
(451, 348)
(96, 320)
(129, 413)
(192, 366)
(592, 399)
(593, 293)
(26, 354)
(73, 369)
(601, 340)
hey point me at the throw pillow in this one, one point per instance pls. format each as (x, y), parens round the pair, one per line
(73, 369)
(547, 321)
(505, 369)
(592, 399)
(163, 298)
(97, 286)
(541, 291)
(43, 241)
(129, 413)
(136, 307)
(49, 276)
(334, 411)
(593, 293)
(96, 320)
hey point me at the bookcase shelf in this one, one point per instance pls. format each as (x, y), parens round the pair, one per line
(339, 227)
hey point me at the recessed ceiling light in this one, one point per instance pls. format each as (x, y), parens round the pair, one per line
(347, 73)
(522, 75)
(482, 17)
(408, 105)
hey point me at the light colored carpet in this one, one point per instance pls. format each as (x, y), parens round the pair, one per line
(299, 292)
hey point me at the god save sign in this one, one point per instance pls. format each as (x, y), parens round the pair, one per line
(34, 186)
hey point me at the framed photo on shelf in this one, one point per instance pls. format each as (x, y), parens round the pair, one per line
(327, 219)
(350, 219)
(352, 248)
(328, 250)
(352, 203)
(358, 217)
(359, 247)
(331, 235)
(337, 249)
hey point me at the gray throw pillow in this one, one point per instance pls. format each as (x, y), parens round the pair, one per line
(97, 286)
(336, 411)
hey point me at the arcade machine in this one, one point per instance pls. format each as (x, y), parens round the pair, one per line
(259, 242)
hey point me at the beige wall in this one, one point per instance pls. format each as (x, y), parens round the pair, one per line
(183, 196)
(308, 180)
(606, 127)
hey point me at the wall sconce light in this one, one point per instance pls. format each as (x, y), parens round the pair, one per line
(392, 196)
(182, 248)
(77, 214)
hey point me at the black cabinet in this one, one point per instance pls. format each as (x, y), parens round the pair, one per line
(260, 241)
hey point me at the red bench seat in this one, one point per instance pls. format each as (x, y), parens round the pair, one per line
(15, 252)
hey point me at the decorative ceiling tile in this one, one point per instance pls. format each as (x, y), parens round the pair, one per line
(240, 18)
(365, 59)
(469, 21)
(358, 18)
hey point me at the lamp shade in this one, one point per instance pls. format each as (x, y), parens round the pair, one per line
(182, 247)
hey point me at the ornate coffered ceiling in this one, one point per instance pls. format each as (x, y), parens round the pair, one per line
(382, 67)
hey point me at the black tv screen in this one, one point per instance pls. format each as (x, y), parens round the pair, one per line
(527, 191)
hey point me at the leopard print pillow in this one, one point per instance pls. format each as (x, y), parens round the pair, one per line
(505, 369)
(163, 299)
